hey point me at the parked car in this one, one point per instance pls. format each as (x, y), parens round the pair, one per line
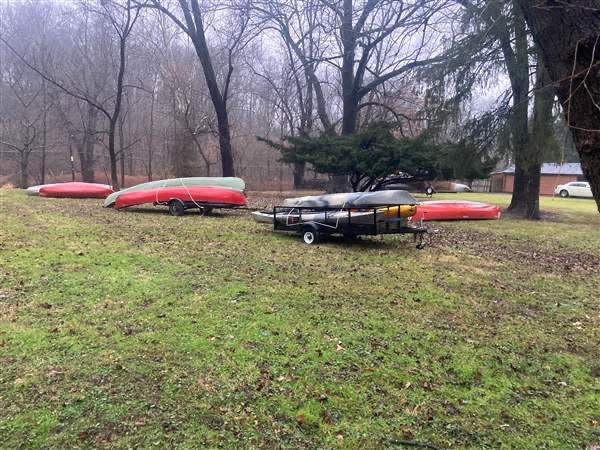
(574, 189)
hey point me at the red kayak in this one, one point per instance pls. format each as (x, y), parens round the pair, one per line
(76, 190)
(456, 210)
(213, 196)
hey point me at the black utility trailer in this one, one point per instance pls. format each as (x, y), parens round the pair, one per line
(313, 222)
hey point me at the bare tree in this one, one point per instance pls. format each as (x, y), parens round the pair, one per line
(26, 98)
(199, 98)
(350, 36)
(358, 33)
(293, 99)
(122, 19)
(26, 120)
(190, 18)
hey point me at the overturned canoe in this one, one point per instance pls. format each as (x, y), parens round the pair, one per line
(200, 196)
(353, 200)
(456, 210)
(35, 190)
(75, 190)
(226, 182)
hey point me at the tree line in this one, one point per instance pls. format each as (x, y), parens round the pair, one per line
(184, 87)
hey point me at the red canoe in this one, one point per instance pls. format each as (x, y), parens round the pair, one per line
(76, 190)
(456, 210)
(202, 195)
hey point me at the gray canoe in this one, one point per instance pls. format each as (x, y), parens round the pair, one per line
(228, 182)
(353, 199)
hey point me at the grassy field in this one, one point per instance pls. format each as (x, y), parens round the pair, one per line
(136, 329)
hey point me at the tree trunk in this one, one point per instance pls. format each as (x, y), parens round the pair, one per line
(349, 45)
(44, 133)
(23, 181)
(151, 135)
(185, 161)
(339, 183)
(130, 170)
(225, 140)
(114, 118)
(121, 126)
(219, 101)
(199, 148)
(71, 160)
(299, 175)
(568, 39)
(114, 175)
(525, 197)
(86, 149)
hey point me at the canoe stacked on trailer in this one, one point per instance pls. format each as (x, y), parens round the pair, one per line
(351, 214)
(180, 194)
(178, 199)
(226, 182)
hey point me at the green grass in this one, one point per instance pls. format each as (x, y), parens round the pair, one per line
(140, 330)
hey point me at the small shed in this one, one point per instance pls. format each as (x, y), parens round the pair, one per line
(551, 175)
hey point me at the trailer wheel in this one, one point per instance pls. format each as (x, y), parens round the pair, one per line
(420, 240)
(310, 235)
(176, 207)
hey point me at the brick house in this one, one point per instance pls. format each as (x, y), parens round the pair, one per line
(551, 176)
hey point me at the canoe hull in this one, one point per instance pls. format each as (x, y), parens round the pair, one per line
(75, 190)
(456, 210)
(353, 200)
(216, 197)
(225, 182)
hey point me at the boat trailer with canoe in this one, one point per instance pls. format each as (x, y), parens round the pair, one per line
(351, 215)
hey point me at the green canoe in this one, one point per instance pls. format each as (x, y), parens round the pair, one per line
(228, 182)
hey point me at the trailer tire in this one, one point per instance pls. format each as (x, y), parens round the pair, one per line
(420, 240)
(176, 207)
(310, 235)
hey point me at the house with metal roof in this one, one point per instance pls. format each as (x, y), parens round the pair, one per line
(552, 174)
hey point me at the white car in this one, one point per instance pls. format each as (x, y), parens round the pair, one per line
(574, 189)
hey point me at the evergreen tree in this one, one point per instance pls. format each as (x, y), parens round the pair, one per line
(375, 153)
